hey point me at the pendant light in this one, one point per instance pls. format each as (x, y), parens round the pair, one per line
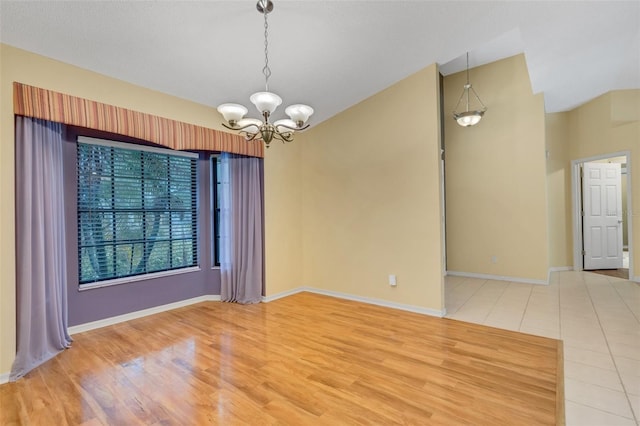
(468, 117)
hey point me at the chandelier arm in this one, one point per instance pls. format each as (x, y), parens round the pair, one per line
(283, 136)
(239, 129)
(287, 138)
(250, 136)
(293, 128)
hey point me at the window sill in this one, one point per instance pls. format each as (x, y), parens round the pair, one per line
(127, 280)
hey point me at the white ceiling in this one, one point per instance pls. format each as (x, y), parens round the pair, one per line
(332, 54)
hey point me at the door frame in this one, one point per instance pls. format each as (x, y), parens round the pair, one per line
(576, 202)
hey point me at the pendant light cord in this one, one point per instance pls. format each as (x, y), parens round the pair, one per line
(467, 67)
(468, 86)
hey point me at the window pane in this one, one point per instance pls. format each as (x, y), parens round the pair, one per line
(136, 212)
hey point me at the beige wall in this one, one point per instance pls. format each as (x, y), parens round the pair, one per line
(371, 197)
(283, 217)
(606, 125)
(559, 199)
(496, 176)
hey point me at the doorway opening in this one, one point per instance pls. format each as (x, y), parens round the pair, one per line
(601, 202)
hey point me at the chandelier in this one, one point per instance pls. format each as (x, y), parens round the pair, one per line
(266, 102)
(468, 117)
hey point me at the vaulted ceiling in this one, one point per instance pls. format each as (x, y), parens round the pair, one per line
(332, 54)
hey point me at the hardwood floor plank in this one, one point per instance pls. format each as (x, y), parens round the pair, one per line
(304, 359)
(560, 407)
(13, 409)
(65, 393)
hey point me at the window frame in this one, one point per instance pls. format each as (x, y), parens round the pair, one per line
(195, 193)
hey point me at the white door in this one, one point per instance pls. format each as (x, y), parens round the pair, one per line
(602, 221)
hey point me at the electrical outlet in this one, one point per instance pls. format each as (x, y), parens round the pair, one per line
(494, 259)
(392, 280)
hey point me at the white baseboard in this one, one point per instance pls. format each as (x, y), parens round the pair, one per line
(4, 378)
(560, 268)
(145, 312)
(369, 300)
(636, 279)
(267, 299)
(557, 269)
(498, 278)
(378, 302)
(142, 313)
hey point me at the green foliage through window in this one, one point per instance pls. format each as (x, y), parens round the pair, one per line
(137, 211)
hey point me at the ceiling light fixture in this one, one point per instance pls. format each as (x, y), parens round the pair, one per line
(266, 102)
(468, 117)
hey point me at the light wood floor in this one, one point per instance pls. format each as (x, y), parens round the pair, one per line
(304, 359)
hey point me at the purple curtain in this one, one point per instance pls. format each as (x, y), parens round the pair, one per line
(41, 276)
(241, 251)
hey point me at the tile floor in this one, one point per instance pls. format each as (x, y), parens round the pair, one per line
(597, 317)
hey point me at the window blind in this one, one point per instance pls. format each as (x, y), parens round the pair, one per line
(137, 210)
(215, 208)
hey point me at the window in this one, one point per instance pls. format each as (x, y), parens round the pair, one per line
(137, 210)
(215, 209)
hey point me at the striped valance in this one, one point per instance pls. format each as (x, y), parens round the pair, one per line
(45, 104)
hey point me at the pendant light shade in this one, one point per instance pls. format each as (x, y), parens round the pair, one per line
(299, 113)
(285, 125)
(232, 112)
(251, 125)
(266, 101)
(468, 118)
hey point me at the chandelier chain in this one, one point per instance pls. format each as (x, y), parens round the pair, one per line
(266, 70)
